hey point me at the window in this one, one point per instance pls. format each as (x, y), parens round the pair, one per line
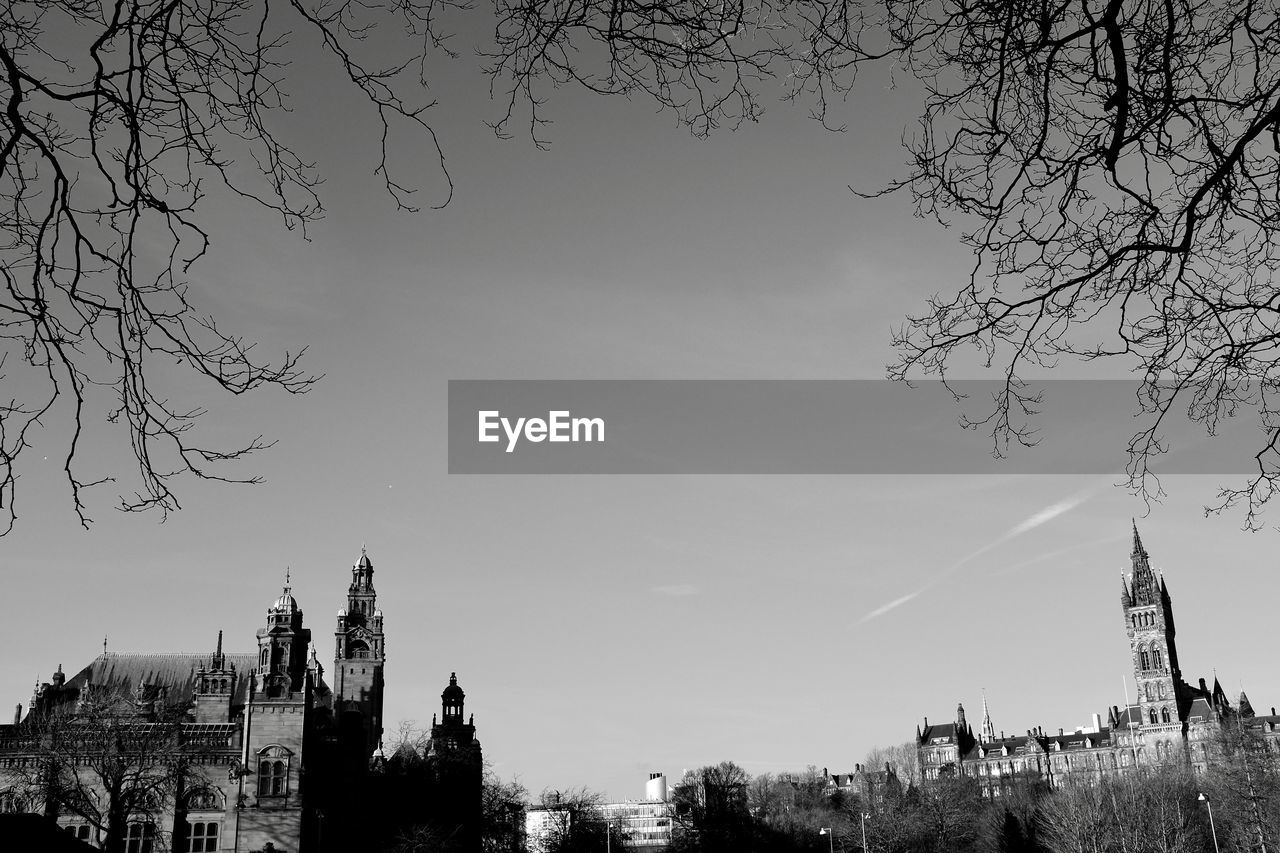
(1146, 660)
(273, 771)
(1164, 715)
(140, 837)
(78, 831)
(1155, 656)
(1152, 714)
(11, 802)
(202, 836)
(272, 775)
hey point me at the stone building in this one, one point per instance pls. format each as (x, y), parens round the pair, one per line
(1172, 721)
(236, 752)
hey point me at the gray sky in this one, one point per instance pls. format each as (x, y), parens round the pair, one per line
(604, 627)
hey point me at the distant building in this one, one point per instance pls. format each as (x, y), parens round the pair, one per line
(631, 824)
(276, 755)
(1171, 723)
(869, 785)
(643, 823)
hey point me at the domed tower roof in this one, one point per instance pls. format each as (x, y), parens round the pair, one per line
(453, 691)
(365, 562)
(451, 700)
(286, 603)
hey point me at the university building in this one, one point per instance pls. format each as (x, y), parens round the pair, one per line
(1171, 723)
(235, 752)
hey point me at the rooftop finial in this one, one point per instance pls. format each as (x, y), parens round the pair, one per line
(286, 575)
(104, 644)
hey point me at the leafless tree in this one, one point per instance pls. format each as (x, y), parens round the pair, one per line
(571, 822)
(113, 761)
(121, 119)
(1243, 784)
(502, 814)
(1113, 165)
(904, 759)
(1150, 811)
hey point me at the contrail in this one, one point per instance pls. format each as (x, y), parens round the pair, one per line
(885, 608)
(1030, 523)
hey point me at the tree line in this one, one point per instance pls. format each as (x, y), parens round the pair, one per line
(1234, 806)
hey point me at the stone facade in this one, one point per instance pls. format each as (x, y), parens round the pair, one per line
(262, 752)
(1171, 723)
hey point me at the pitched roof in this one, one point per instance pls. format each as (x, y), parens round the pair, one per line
(174, 670)
(940, 731)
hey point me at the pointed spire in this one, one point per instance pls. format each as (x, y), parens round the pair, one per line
(1246, 708)
(1144, 589)
(988, 730)
(1126, 600)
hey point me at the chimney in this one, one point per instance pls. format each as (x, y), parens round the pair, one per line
(1097, 722)
(17, 713)
(1060, 732)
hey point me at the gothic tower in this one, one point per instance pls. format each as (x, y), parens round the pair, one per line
(214, 686)
(1148, 615)
(359, 656)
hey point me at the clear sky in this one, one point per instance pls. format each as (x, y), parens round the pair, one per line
(606, 627)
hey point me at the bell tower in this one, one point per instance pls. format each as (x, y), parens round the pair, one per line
(1148, 614)
(359, 657)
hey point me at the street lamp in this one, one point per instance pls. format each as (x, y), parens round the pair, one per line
(864, 831)
(1213, 829)
(831, 844)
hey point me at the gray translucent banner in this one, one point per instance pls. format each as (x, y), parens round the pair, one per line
(816, 427)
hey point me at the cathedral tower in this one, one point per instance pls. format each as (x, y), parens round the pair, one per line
(359, 656)
(1148, 615)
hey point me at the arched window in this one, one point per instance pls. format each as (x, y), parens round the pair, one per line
(79, 831)
(1156, 659)
(1152, 713)
(140, 837)
(1146, 660)
(1164, 715)
(272, 776)
(273, 772)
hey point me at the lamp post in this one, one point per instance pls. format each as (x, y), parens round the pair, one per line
(831, 844)
(1212, 829)
(607, 826)
(864, 831)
